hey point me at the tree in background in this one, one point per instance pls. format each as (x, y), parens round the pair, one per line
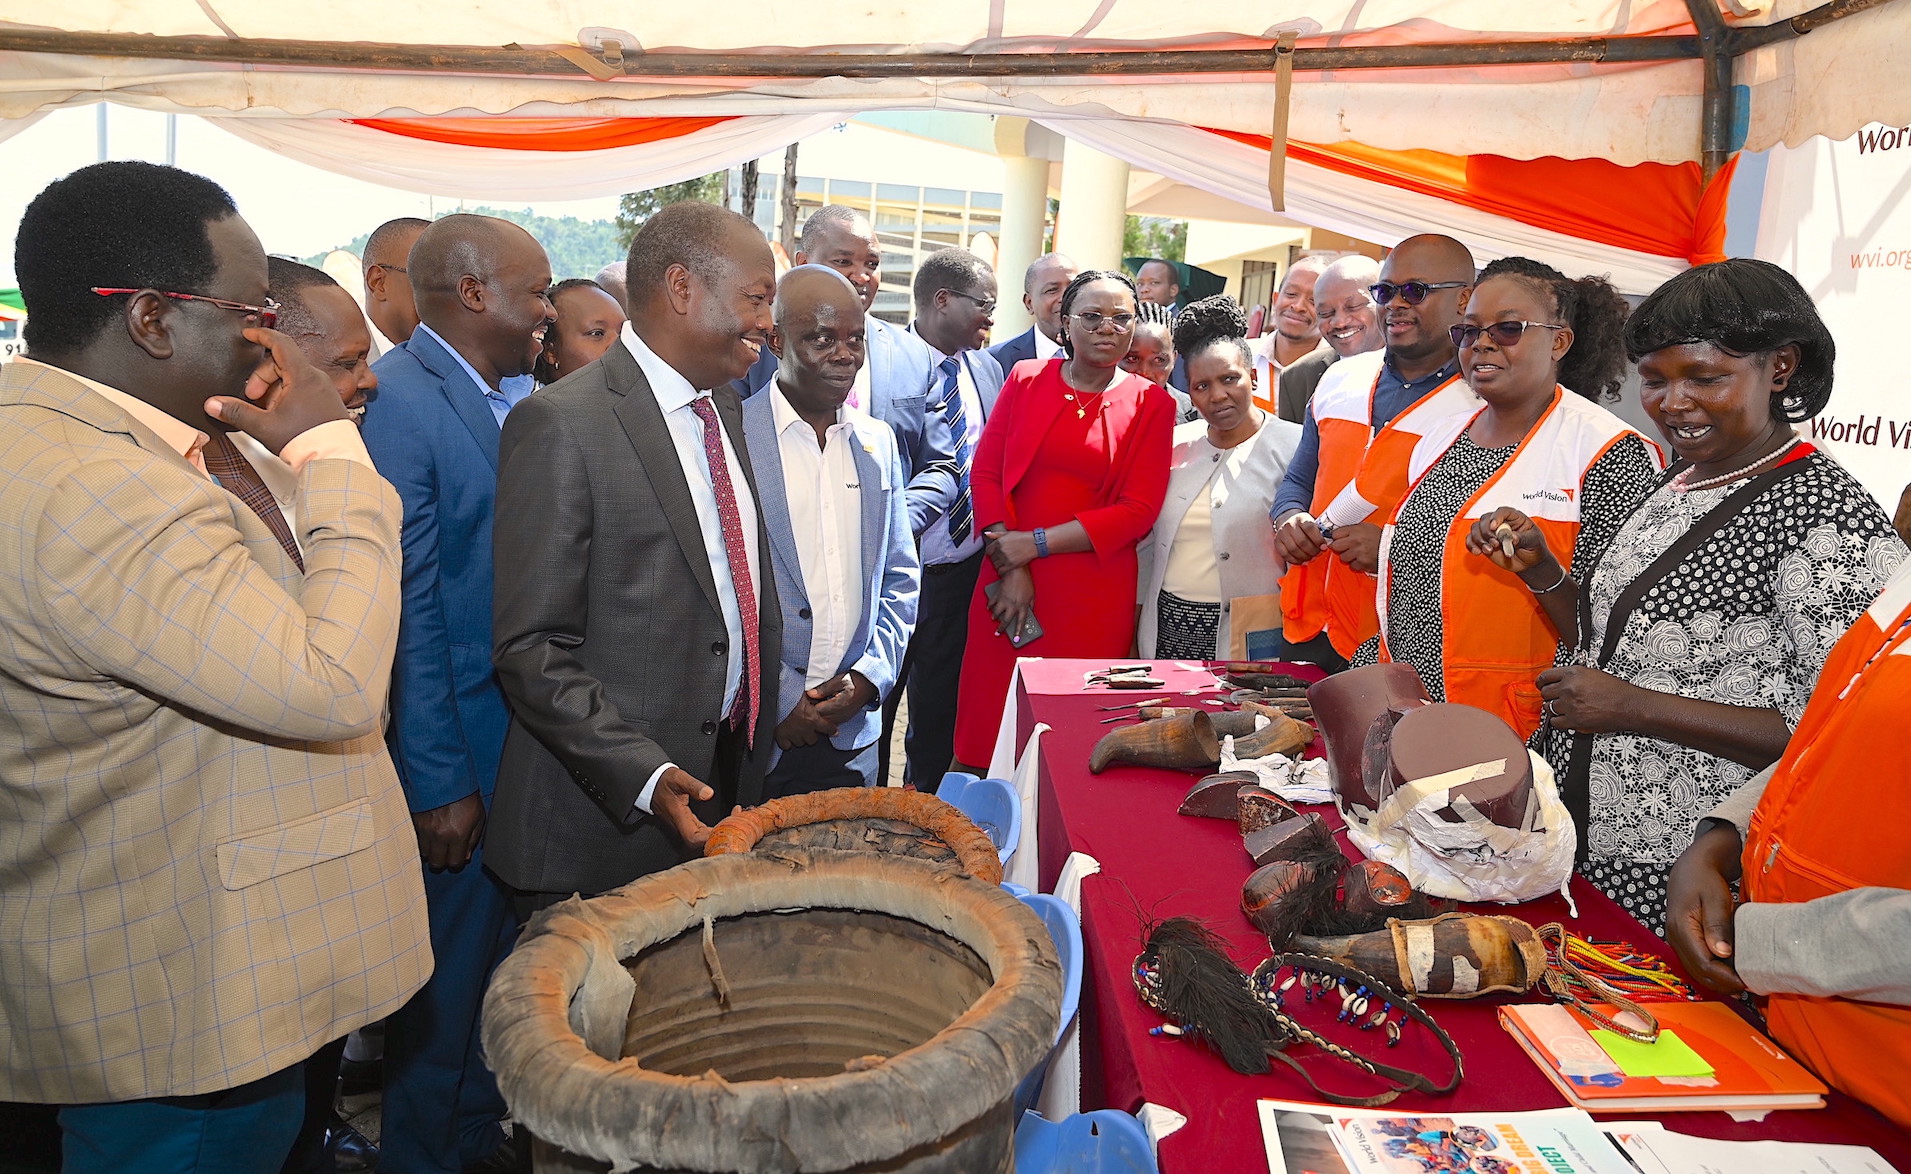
(1152, 236)
(577, 248)
(633, 208)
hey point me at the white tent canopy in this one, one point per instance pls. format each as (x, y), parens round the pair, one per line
(1602, 96)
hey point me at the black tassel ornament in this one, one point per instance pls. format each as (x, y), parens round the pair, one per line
(1184, 972)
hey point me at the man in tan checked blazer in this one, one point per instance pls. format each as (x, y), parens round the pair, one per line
(206, 866)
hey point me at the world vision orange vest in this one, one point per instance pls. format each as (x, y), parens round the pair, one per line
(1496, 636)
(1360, 478)
(1835, 817)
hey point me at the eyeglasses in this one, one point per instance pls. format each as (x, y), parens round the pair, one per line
(1411, 292)
(1093, 322)
(986, 305)
(1502, 333)
(383, 265)
(268, 314)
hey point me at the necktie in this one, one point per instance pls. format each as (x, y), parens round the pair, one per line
(745, 710)
(236, 475)
(961, 511)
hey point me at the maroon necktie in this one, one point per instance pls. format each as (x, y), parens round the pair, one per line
(745, 710)
(231, 469)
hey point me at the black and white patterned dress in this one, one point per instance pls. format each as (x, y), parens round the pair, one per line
(1622, 475)
(1745, 619)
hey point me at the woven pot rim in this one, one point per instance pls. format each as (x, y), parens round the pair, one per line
(558, 1006)
(740, 831)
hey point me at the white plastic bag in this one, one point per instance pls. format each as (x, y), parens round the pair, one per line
(1473, 859)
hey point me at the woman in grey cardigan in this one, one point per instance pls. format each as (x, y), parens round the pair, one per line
(1209, 574)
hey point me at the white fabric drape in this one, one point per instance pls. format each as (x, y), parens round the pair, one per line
(1830, 81)
(1357, 207)
(419, 165)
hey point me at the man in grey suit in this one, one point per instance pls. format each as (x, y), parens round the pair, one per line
(1043, 284)
(636, 628)
(845, 560)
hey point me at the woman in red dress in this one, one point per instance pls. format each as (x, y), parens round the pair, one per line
(1068, 477)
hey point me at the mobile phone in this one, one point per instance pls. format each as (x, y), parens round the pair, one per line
(1031, 627)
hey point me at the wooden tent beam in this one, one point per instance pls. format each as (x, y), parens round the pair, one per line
(526, 61)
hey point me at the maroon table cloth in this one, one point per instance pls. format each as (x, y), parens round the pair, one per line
(1156, 864)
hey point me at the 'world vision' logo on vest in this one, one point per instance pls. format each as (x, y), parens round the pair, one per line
(1559, 495)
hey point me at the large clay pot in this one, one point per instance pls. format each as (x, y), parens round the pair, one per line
(773, 1013)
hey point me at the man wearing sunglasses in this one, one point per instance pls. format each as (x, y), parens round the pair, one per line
(207, 870)
(1338, 479)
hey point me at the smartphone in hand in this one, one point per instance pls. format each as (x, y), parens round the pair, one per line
(1031, 627)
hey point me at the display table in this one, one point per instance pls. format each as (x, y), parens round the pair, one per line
(1157, 864)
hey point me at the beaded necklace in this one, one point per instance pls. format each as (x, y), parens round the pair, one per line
(1682, 483)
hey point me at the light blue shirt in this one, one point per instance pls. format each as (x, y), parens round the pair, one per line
(510, 392)
(938, 546)
(674, 396)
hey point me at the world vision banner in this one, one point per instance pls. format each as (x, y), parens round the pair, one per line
(1838, 215)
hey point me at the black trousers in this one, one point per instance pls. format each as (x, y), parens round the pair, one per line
(932, 671)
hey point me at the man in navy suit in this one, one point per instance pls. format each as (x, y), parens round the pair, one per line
(1043, 284)
(479, 284)
(955, 301)
(847, 574)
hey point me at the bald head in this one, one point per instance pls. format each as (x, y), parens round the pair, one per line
(1430, 253)
(482, 284)
(1416, 334)
(819, 340)
(806, 289)
(1343, 308)
(460, 246)
(388, 299)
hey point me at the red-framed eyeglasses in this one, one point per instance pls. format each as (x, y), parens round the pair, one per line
(268, 314)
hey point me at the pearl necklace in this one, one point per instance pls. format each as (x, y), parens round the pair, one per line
(1681, 484)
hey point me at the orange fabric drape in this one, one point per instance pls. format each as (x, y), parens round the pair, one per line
(1658, 208)
(541, 134)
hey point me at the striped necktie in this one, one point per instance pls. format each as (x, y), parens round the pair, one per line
(743, 712)
(961, 511)
(236, 475)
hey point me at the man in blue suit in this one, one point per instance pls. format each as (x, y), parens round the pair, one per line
(846, 572)
(955, 300)
(1043, 284)
(479, 284)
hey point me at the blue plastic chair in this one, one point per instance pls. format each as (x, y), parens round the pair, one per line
(995, 808)
(952, 786)
(1066, 929)
(1106, 1141)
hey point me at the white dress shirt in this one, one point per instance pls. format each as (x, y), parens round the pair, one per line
(674, 395)
(278, 477)
(938, 548)
(825, 492)
(1046, 348)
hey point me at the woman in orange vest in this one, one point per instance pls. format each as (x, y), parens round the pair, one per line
(1819, 848)
(1702, 626)
(1475, 631)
